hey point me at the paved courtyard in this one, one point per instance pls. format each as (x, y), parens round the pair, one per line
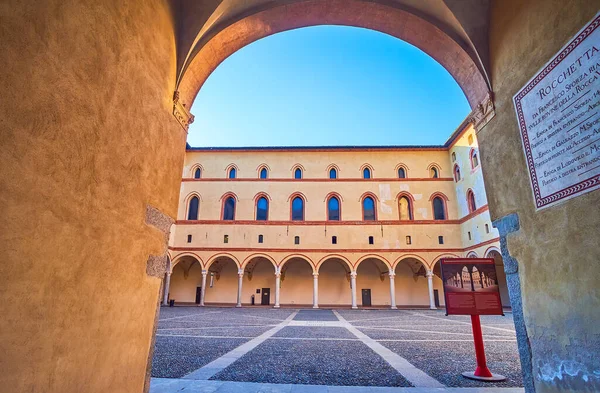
(263, 349)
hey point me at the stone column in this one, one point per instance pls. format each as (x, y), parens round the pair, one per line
(167, 288)
(353, 289)
(429, 275)
(393, 290)
(277, 285)
(203, 290)
(239, 294)
(315, 290)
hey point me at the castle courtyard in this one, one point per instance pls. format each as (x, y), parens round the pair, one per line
(254, 349)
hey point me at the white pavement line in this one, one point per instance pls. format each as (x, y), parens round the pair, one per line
(326, 338)
(375, 319)
(213, 327)
(169, 385)
(194, 336)
(464, 323)
(226, 360)
(445, 340)
(425, 331)
(191, 315)
(418, 378)
(256, 316)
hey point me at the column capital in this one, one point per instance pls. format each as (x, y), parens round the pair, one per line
(429, 273)
(316, 275)
(392, 274)
(353, 274)
(278, 274)
(204, 272)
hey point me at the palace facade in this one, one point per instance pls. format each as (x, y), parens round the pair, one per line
(328, 226)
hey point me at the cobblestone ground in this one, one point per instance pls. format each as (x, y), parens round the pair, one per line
(316, 348)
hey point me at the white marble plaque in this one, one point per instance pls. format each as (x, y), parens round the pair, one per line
(558, 112)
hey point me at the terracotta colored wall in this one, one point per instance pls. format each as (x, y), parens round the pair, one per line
(557, 248)
(88, 141)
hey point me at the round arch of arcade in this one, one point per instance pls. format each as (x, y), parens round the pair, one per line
(297, 279)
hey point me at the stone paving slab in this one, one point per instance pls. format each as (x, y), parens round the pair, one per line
(382, 334)
(313, 362)
(315, 315)
(445, 361)
(174, 357)
(224, 332)
(160, 385)
(314, 332)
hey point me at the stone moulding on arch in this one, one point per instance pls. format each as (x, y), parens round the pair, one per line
(335, 256)
(178, 257)
(250, 257)
(213, 258)
(299, 256)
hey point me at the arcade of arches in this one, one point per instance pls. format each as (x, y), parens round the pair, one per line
(297, 280)
(92, 154)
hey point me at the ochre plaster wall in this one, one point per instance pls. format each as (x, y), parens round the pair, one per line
(88, 141)
(557, 248)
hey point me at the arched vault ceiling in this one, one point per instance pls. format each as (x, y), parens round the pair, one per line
(464, 21)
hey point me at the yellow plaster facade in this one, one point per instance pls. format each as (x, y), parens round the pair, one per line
(315, 259)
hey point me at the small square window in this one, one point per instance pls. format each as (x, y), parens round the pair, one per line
(296, 239)
(441, 239)
(260, 238)
(371, 241)
(333, 239)
(469, 233)
(408, 240)
(189, 238)
(226, 239)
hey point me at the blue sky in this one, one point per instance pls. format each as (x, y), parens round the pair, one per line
(327, 85)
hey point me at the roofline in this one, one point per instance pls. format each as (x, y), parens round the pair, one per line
(318, 148)
(459, 131)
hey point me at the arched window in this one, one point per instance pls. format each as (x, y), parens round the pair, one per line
(229, 209)
(439, 209)
(232, 173)
(333, 209)
(298, 173)
(333, 173)
(434, 172)
(263, 173)
(456, 173)
(262, 209)
(453, 156)
(405, 209)
(474, 159)
(193, 208)
(368, 205)
(197, 173)
(401, 173)
(297, 209)
(471, 201)
(366, 173)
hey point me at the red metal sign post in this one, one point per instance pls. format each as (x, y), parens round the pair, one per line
(471, 288)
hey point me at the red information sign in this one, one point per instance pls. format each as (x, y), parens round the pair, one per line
(471, 286)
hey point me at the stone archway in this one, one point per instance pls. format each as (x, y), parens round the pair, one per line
(334, 282)
(221, 281)
(411, 283)
(296, 281)
(207, 50)
(186, 277)
(259, 274)
(373, 274)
